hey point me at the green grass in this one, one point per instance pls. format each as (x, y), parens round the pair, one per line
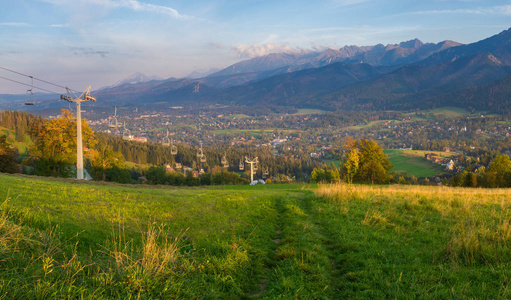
(224, 238)
(373, 123)
(329, 162)
(61, 238)
(448, 111)
(11, 139)
(414, 162)
(417, 242)
(307, 111)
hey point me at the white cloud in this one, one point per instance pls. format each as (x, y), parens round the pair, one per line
(216, 44)
(140, 6)
(447, 11)
(348, 2)
(263, 49)
(14, 24)
(59, 25)
(504, 10)
(363, 30)
(272, 37)
(134, 5)
(497, 10)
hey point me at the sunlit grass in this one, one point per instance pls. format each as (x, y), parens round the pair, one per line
(459, 236)
(60, 238)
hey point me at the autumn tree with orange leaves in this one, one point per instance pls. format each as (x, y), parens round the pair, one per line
(54, 149)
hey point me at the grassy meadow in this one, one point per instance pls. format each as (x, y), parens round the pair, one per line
(11, 138)
(69, 239)
(414, 163)
(446, 111)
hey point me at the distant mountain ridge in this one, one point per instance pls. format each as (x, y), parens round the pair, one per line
(135, 78)
(498, 45)
(396, 76)
(404, 76)
(392, 54)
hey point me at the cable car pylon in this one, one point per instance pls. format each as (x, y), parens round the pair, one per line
(85, 96)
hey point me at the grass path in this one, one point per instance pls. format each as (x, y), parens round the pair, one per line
(63, 239)
(303, 259)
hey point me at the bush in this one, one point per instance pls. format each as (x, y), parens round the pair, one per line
(156, 175)
(119, 175)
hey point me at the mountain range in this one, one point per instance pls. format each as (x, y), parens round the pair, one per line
(134, 78)
(405, 76)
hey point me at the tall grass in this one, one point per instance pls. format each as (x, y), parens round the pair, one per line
(416, 241)
(41, 264)
(55, 241)
(479, 219)
(65, 240)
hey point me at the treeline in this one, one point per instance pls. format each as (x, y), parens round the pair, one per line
(498, 175)
(362, 161)
(159, 175)
(297, 166)
(53, 153)
(18, 121)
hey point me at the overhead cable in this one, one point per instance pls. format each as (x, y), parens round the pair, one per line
(35, 87)
(54, 84)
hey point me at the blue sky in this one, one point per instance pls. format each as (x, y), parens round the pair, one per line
(98, 42)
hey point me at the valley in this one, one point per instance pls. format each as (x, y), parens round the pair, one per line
(345, 149)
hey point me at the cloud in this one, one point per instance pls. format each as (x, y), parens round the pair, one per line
(59, 25)
(140, 6)
(14, 24)
(348, 2)
(497, 10)
(134, 5)
(263, 49)
(216, 44)
(362, 30)
(318, 48)
(88, 51)
(503, 10)
(447, 11)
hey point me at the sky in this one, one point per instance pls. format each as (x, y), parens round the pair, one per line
(77, 43)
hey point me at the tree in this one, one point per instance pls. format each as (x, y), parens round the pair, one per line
(374, 165)
(103, 158)
(20, 132)
(119, 175)
(190, 180)
(499, 172)
(156, 175)
(54, 149)
(8, 157)
(318, 175)
(352, 164)
(325, 175)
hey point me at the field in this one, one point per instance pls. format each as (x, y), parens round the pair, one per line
(68, 239)
(253, 132)
(11, 138)
(447, 111)
(371, 124)
(310, 111)
(414, 162)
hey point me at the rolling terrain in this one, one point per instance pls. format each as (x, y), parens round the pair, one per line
(68, 239)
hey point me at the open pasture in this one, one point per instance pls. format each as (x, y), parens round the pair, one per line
(68, 239)
(414, 162)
